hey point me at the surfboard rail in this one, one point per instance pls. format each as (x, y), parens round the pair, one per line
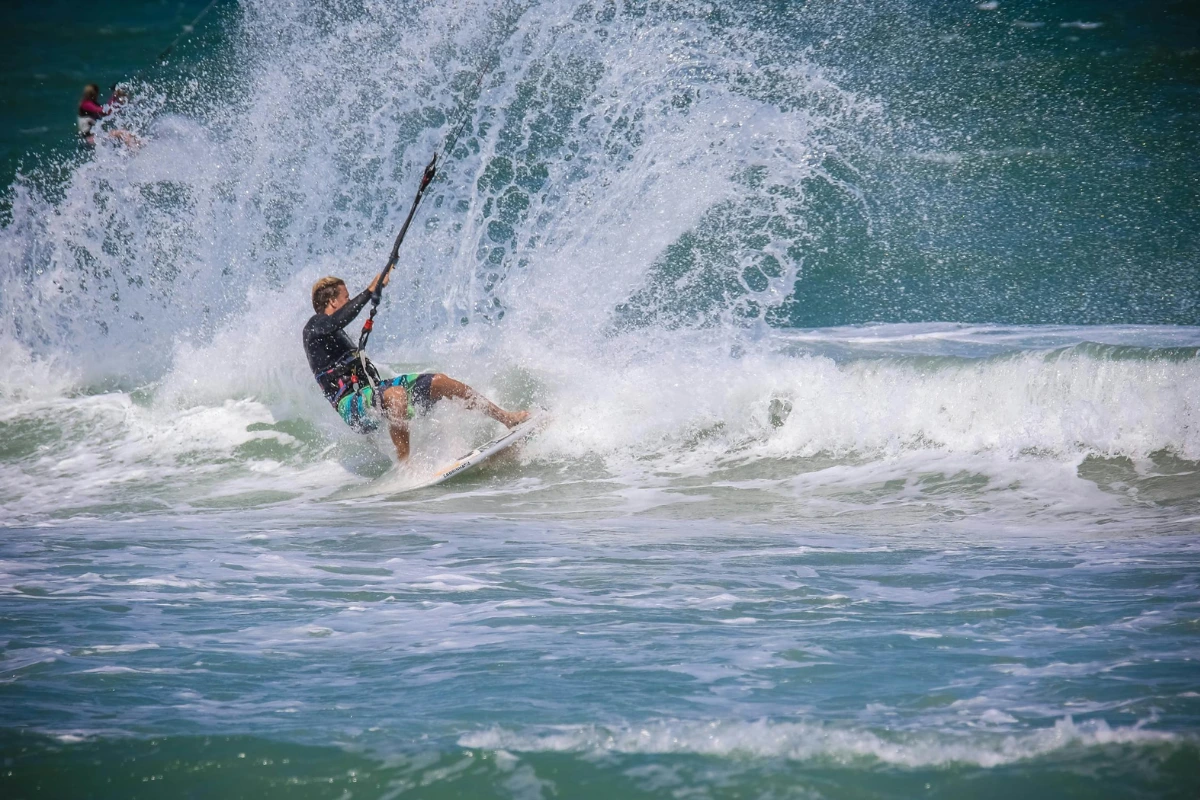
(510, 437)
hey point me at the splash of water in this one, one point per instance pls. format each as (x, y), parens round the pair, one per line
(635, 196)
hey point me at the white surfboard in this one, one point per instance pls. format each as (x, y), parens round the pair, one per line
(480, 454)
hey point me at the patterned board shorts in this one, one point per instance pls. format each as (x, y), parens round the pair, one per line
(361, 409)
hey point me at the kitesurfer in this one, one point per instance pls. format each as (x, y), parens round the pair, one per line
(351, 383)
(91, 112)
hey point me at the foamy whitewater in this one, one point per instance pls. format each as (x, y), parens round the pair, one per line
(776, 542)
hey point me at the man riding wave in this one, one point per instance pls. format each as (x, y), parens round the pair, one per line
(352, 384)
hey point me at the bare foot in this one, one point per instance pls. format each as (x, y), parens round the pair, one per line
(515, 418)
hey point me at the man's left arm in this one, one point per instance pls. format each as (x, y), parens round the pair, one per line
(346, 314)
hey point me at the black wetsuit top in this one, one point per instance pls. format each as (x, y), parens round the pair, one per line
(331, 353)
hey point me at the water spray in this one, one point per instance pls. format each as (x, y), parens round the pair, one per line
(426, 179)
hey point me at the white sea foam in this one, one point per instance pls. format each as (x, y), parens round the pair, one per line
(920, 634)
(449, 582)
(114, 669)
(170, 581)
(17, 660)
(1062, 403)
(118, 648)
(816, 742)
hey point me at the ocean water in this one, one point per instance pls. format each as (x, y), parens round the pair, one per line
(871, 337)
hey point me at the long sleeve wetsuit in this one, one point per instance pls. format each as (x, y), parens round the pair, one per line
(331, 353)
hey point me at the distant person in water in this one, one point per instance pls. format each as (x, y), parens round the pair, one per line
(91, 112)
(346, 377)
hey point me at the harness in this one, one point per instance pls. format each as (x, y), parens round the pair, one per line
(352, 372)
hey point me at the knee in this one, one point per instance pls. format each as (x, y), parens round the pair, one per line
(395, 401)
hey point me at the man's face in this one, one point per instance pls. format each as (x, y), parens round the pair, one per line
(343, 297)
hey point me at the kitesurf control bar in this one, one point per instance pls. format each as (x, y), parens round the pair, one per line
(426, 179)
(430, 170)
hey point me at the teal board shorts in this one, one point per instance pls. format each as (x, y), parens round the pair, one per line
(360, 410)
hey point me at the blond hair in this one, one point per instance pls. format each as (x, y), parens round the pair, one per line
(325, 290)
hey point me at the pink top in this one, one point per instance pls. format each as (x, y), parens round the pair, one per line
(89, 108)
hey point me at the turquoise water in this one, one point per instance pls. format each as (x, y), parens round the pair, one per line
(871, 338)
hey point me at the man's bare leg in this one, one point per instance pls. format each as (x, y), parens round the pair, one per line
(395, 411)
(443, 386)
